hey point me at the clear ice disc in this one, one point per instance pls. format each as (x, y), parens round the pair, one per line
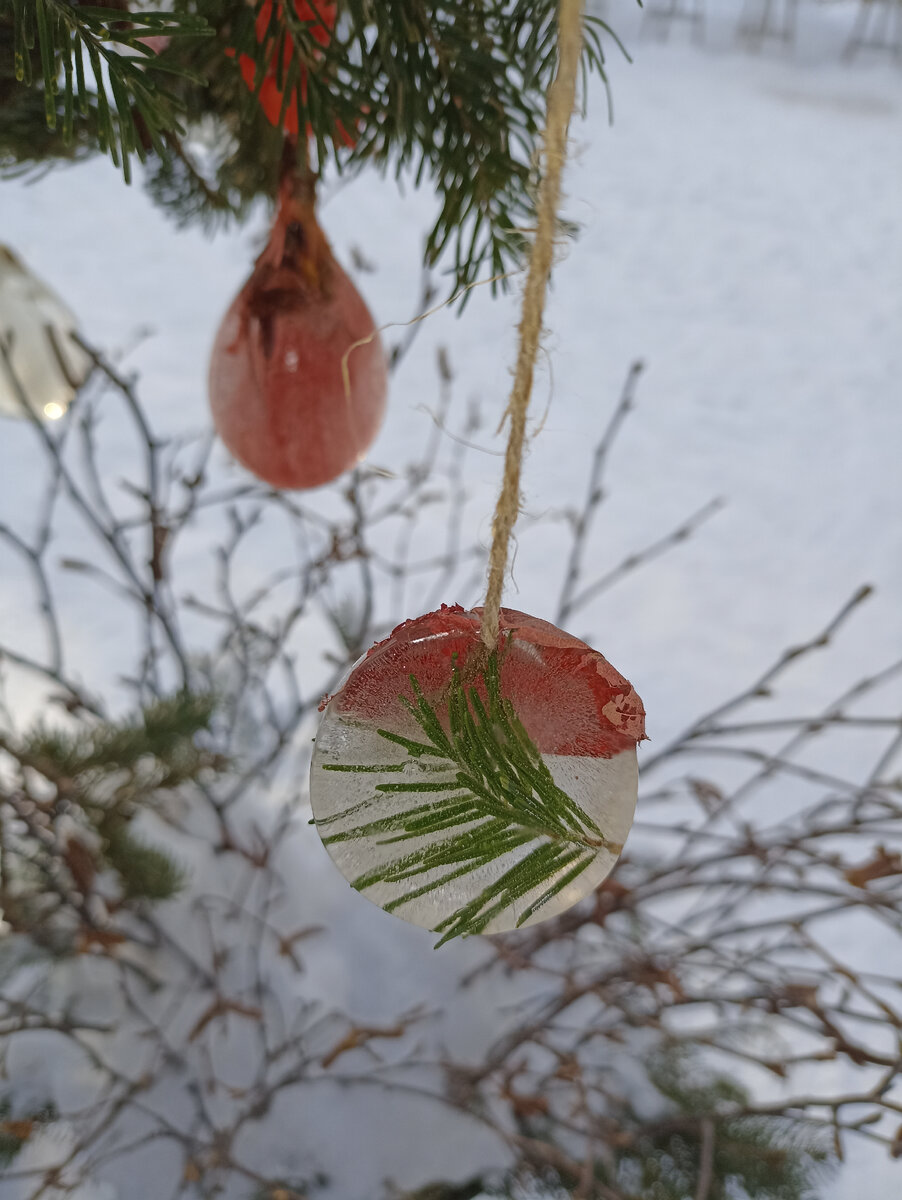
(471, 792)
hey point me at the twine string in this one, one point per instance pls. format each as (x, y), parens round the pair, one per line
(561, 102)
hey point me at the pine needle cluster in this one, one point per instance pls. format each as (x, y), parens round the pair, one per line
(664, 1157)
(484, 793)
(69, 855)
(754, 1157)
(93, 67)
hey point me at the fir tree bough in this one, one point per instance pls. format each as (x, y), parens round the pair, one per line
(123, 108)
(491, 795)
(694, 1146)
(67, 804)
(450, 91)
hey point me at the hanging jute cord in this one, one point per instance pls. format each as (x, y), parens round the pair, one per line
(561, 101)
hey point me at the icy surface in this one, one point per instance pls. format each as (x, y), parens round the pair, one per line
(604, 788)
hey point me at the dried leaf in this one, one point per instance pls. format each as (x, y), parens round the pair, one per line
(526, 1106)
(81, 863)
(878, 867)
(20, 1130)
(359, 1036)
(569, 1069)
(799, 995)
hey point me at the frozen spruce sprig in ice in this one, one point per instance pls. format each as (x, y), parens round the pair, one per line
(487, 793)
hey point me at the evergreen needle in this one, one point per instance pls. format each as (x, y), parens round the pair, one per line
(501, 798)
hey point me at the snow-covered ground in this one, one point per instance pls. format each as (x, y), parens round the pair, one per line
(741, 233)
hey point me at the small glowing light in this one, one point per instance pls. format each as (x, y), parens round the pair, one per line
(291, 360)
(54, 411)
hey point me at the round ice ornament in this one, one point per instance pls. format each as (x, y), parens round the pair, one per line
(43, 365)
(470, 791)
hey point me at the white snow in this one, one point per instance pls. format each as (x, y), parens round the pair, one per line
(741, 234)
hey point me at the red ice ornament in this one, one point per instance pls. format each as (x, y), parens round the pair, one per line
(298, 376)
(471, 792)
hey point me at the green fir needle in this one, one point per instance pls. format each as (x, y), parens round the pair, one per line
(490, 794)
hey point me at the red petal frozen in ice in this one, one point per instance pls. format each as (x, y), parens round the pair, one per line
(567, 695)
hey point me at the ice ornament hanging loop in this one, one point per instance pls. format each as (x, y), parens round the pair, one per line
(476, 772)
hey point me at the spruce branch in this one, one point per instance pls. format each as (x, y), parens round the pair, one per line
(446, 91)
(490, 794)
(125, 106)
(66, 817)
(145, 872)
